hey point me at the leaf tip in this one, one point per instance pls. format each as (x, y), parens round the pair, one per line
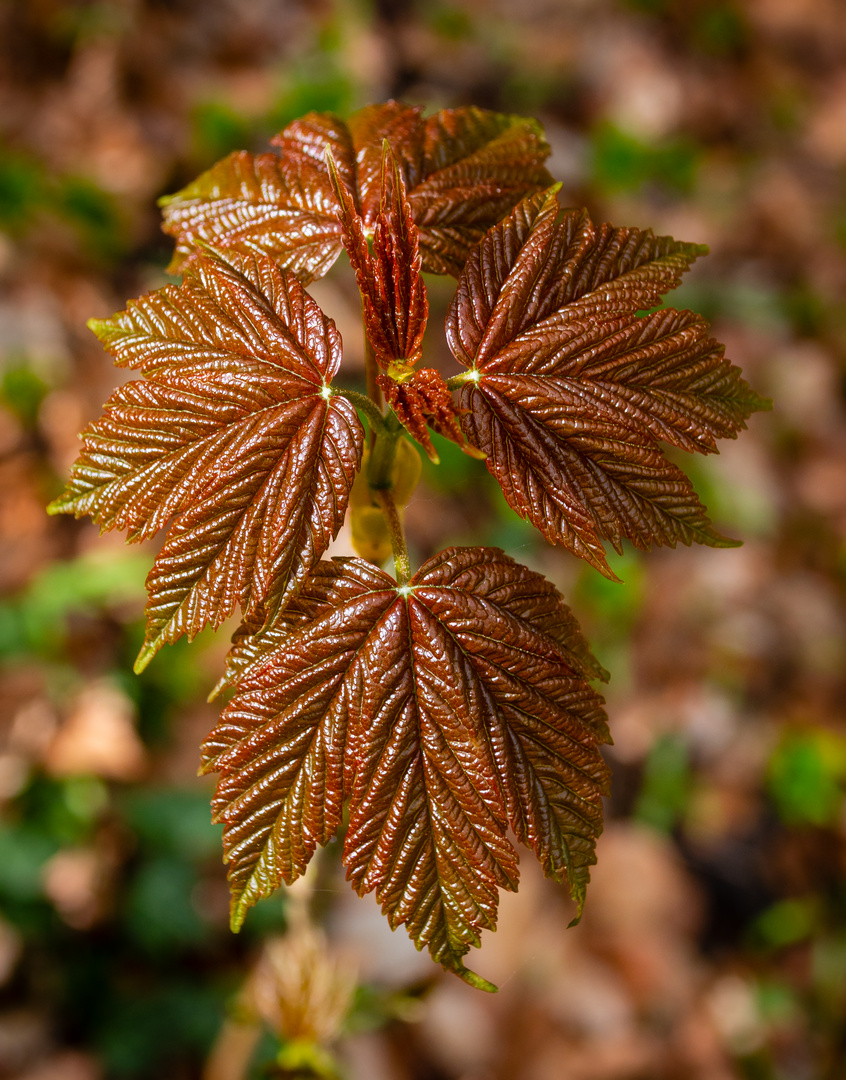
(474, 980)
(99, 327)
(60, 505)
(601, 673)
(217, 689)
(474, 452)
(148, 651)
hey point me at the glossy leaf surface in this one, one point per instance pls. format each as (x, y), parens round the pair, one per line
(572, 389)
(283, 206)
(231, 436)
(393, 295)
(464, 170)
(421, 400)
(445, 712)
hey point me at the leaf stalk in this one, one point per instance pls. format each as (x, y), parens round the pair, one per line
(370, 409)
(402, 564)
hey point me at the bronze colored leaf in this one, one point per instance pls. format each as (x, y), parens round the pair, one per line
(570, 389)
(463, 705)
(281, 744)
(421, 398)
(281, 205)
(393, 295)
(464, 170)
(233, 435)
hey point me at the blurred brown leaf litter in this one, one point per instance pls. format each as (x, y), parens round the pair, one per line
(713, 944)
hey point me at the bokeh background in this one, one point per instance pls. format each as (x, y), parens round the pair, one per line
(713, 944)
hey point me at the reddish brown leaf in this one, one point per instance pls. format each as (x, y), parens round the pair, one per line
(233, 434)
(464, 169)
(421, 398)
(463, 704)
(280, 745)
(570, 390)
(395, 309)
(281, 205)
(392, 291)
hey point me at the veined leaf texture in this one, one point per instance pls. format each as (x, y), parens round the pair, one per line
(571, 388)
(231, 439)
(445, 711)
(463, 168)
(445, 707)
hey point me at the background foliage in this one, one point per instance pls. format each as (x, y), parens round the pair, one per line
(713, 943)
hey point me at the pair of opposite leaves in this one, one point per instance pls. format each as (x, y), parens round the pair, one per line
(448, 709)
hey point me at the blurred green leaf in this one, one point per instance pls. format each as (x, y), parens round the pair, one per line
(665, 790)
(316, 81)
(720, 29)
(22, 391)
(448, 21)
(63, 810)
(806, 777)
(23, 189)
(613, 604)
(146, 1032)
(94, 213)
(159, 913)
(217, 129)
(24, 849)
(175, 821)
(785, 923)
(828, 966)
(36, 620)
(622, 162)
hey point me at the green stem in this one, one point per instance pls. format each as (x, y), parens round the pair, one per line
(457, 381)
(380, 466)
(368, 407)
(402, 564)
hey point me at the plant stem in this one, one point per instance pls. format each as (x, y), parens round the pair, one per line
(374, 416)
(371, 370)
(402, 565)
(382, 453)
(456, 381)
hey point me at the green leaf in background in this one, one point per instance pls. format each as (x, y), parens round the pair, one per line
(786, 922)
(623, 162)
(36, 620)
(174, 821)
(21, 391)
(666, 783)
(806, 777)
(22, 189)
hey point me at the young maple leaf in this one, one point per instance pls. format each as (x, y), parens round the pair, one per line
(570, 388)
(232, 434)
(464, 170)
(421, 400)
(393, 294)
(444, 711)
(395, 308)
(279, 204)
